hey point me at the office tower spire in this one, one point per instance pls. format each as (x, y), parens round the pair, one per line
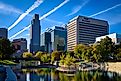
(35, 31)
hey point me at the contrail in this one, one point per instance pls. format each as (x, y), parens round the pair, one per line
(105, 10)
(35, 5)
(53, 10)
(44, 16)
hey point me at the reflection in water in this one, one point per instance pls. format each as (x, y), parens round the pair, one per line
(45, 74)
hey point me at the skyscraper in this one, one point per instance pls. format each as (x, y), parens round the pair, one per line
(46, 42)
(3, 33)
(54, 39)
(84, 30)
(35, 31)
(59, 39)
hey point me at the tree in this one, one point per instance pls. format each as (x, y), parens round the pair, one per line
(39, 54)
(55, 56)
(80, 51)
(118, 55)
(69, 60)
(88, 53)
(45, 58)
(106, 48)
(6, 48)
(96, 53)
(27, 55)
(62, 57)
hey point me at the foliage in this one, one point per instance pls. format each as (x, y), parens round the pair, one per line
(39, 54)
(27, 55)
(69, 60)
(62, 57)
(55, 56)
(6, 48)
(88, 54)
(106, 48)
(7, 62)
(118, 55)
(45, 58)
(96, 53)
(80, 51)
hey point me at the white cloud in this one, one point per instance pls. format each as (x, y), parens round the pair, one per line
(8, 9)
(78, 8)
(35, 5)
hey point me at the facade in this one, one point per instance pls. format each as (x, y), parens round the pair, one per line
(35, 31)
(116, 38)
(3, 33)
(59, 39)
(46, 42)
(84, 30)
(20, 44)
(54, 39)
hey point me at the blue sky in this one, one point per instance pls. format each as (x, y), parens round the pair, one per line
(11, 10)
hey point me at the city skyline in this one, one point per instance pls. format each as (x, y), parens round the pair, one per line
(109, 11)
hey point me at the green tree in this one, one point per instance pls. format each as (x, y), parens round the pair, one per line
(69, 60)
(118, 55)
(27, 55)
(38, 54)
(88, 53)
(45, 58)
(55, 56)
(62, 57)
(80, 51)
(106, 48)
(6, 48)
(96, 53)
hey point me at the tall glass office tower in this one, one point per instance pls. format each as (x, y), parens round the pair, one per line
(35, 31)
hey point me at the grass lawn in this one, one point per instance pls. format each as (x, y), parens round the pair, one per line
(7, 62)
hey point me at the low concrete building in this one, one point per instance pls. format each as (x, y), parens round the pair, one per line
(116, 38)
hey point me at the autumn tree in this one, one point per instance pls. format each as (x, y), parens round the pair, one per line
(27, 55)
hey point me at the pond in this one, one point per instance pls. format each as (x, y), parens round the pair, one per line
(47, 74)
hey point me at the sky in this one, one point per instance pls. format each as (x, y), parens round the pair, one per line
(17, 14)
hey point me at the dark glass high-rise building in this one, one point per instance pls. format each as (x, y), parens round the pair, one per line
(46, 42)
(3, 33)
(59, 39)
(35, 31)
(54, 39)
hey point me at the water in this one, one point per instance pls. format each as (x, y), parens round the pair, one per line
(47, 74)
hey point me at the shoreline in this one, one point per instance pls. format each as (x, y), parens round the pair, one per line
(114, 67)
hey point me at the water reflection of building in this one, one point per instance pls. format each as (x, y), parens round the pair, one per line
(36, 77)
(21, 77)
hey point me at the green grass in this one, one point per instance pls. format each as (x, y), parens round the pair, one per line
(7, 62)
